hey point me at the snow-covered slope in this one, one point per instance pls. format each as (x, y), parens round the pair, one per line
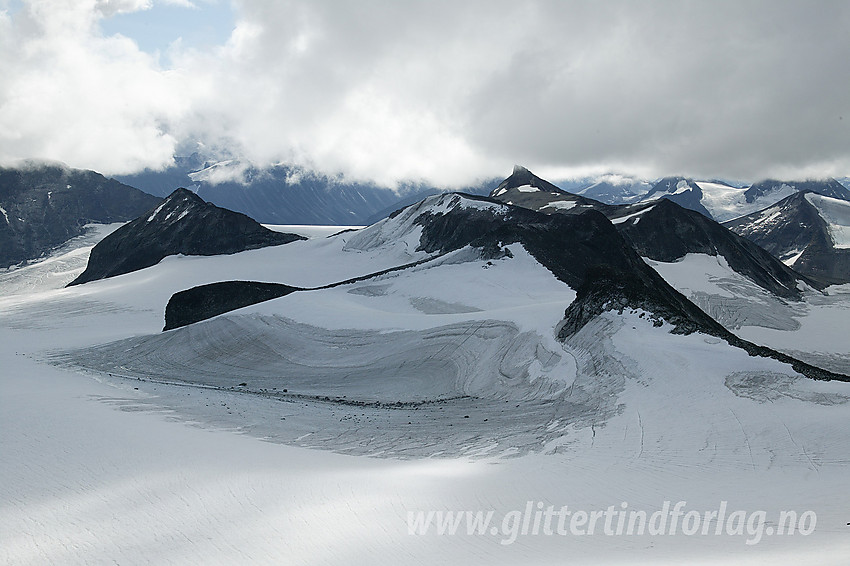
(836, 214)
(812, 328)
(723, 202)
(452, 364)
(807, 231)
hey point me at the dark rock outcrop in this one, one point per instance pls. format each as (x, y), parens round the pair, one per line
(44, 205)
(206, 301)
(182, 224)
(524, 188)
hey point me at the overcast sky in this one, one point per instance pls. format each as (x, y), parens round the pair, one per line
(445, 92)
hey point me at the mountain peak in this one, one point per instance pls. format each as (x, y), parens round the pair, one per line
(182, 224)
(681, 190)
(523, 180)
(179, 202)
(184, 193)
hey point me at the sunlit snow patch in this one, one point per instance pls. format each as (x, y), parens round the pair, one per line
(836, 214)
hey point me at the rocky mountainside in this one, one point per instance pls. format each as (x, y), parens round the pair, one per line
(667, 232)
(577, 248)
(44, 205)
(807, 231)
(524, 188)
(776, 190)
(182, 224)
(722, 202)
(584, 250)
(684, 192)
(664, 230)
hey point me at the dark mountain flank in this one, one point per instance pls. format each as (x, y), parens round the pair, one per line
(684, 192)
(664, 230)
(42, 206)
(667, 232)
(797, 231)
(182, 224)
(524, 188)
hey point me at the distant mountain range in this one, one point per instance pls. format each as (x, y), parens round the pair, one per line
(611, 189)
(43, 205)
(662, 230)
(280, 194)
(723, 202)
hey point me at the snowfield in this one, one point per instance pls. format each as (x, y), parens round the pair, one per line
(836, 214)
(436, 387)
(725, 202)
(814, 330)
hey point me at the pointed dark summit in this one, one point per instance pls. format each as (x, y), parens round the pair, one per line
(182, 224)
(522, 177)
(524, 188)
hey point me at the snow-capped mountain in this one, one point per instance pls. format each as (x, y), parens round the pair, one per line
(182, 224)
(772, 190)
(722, 202)
(667, 232)
(575, 248)
(616, 189)
(42, 205)
(805, 230)
(524, 188)
(582, 250)
(684, 192)
(661, 230)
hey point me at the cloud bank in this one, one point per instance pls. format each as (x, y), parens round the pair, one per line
(445, 92)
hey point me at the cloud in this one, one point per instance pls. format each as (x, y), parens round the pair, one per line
(445, 92)
(109, 8)
(70, 94)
